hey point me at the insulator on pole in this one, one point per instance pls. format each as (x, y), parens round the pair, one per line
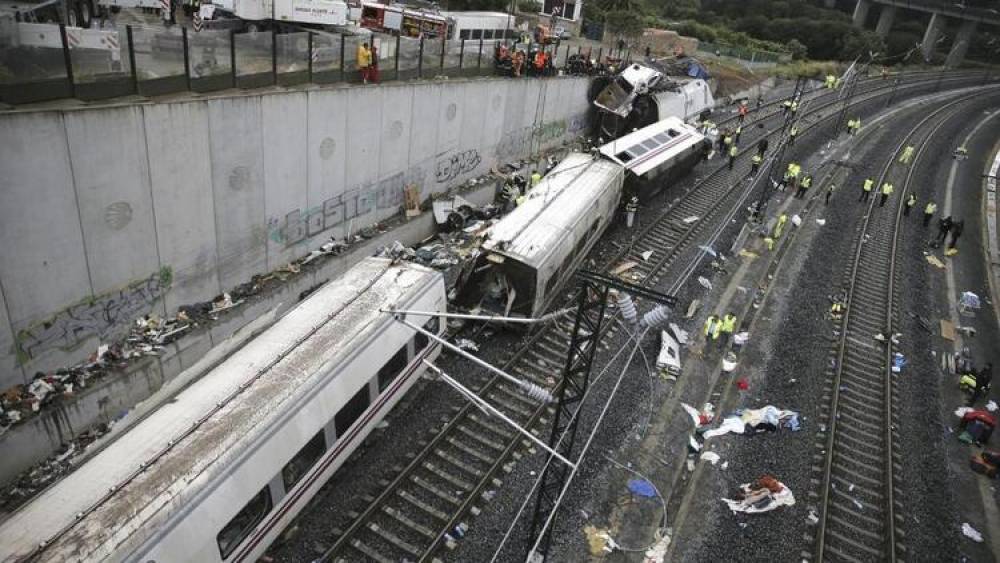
(657, 317)
(536, 392)
(627, 307)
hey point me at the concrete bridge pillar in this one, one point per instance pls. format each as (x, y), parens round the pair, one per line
(861, 12)
(931, 35)
(961, 44)
(885, 19)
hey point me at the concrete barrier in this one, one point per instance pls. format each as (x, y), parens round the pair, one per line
(111, 213)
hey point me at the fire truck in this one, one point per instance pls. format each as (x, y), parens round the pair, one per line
(408, 21)
(255, 15)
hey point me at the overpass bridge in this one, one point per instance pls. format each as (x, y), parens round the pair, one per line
(966, 14)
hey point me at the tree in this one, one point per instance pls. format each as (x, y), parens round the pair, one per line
(624, 23)
(860, 43)
(797, 49)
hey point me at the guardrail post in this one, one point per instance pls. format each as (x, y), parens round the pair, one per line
(461, 56)
(343, 47)
(479, 62)
(187, 58)
(420, 60)
(444, 47)
(67, 60)
(131, 59)
(274, 55)
(232, 55)
(309, 43)
(396, 63)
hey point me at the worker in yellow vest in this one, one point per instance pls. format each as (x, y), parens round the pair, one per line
(907, 155)
(755, 163)
(780, 226)
(733, 152)
(806, 183)
(929, 210)
(535, 178)
(887, 188)
(866, 189)
(911, 202)
(728, 328)
(713, 326)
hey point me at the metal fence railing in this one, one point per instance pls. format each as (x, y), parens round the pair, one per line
(744, 53)
(40, 62)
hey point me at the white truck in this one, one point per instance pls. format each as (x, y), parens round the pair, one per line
(73, 13)
(255, 15)
(479, 25)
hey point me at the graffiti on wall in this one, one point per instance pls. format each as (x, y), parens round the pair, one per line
(450, 167)
(301, 224)
(521, 142)
(102, 316)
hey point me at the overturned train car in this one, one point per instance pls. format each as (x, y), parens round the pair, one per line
(528, 255)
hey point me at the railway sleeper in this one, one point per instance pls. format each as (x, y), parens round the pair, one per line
(393, 539)
(434, 490)
(448, 477)
(854, 544)
(498, 400)
(459, 464)
(491, 426)
(369, 551)
(411, 524)
(470, 451)
(478, 437)
(859, 444)
(853, 477)
(416, 502)
(849, 504)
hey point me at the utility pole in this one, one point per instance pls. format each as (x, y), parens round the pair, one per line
(761, 205)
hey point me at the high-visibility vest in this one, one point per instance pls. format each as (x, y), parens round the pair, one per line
(727, 140)
(930, 208)
(729, 324)
(535, 179)
(733, 151)
(911, 201)
(712, 327)
(794, 106)
(794, 131)
(869, 184)
(886, 188)
(757, 159)
(807, 182)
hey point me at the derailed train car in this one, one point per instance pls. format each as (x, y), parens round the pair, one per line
(527, 255)
(216, 473)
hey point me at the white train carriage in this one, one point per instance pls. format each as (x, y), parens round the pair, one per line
(657, 155)
(217, 473)
(529, 253)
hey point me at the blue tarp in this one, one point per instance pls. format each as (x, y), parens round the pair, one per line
(642, 488)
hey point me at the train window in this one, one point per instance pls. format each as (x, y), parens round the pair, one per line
(624, 85)
(244, 522)
(650, 144)
(391, 369)
(350, 412)
(464, 34)
(624, 156)
(477, 34)
(661, 138)
(673, 132)
(422, 341)
(303, 461)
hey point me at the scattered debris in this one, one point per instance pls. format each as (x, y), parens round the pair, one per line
(647, 255)
(820, 222)
(705, 283)
(710, 457)
(763, 495)
(768, 418)
(599, 541)
(898, 361)
(796, 220)
(991, 406)
(742, 384)
(681, 334)
(947, 330)
(748, 253)
(700, 418)
(708, 250)
(668, 361)
(467, 345)
(693, 445)
(934, 261)
(658, 551)
(690, 219)
(642, 488)
(692, 308)
(729, 362)
(623, 267)
(971, 533)
(813, 518)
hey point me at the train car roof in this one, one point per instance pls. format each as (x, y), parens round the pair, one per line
(530, 232)
(650, 147)
(211, 423)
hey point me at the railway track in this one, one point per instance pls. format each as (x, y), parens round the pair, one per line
(423, 508)
(860, 517)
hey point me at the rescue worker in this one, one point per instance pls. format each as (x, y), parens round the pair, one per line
(713, 326)
(944, 227)
(857, 126)
(630, 209)
(742, 110)
(780, 226)
(755, 163)
(887, 188)
(727, 329)
(733, 151)
(956, 231)
(737, 133)
(762, 146)
(829, 192)
(907, 155)
(364, 60)
(929, 210)
(836, 310)
(803, 186)
(509, 195)
(792, 175)
(794, 107)
(535, 178)
(910, 203)
(866, 189)
(786, 106)
(792, 133)
(728, 141)
(830, 82)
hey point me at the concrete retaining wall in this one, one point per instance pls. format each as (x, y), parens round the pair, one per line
(110, 213)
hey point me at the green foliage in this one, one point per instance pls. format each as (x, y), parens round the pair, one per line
(166, 276)
(528, 6)
(814, 69)
(797, 49)
(624, 23)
